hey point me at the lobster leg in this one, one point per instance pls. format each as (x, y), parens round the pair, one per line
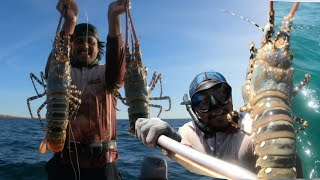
(304, 124)
(163, 98)
(302, 84)
(33, 77)
(74, 96)
(39, 116)
(249, 72)
(154, 81)
(157, 106)
(123, 100)
(246, 90)
(31, 99)
(75, 101)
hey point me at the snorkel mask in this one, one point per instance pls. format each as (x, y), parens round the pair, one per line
(207, 91)
(216, 96)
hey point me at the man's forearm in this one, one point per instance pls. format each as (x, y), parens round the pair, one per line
(114, 25)
(115, 9)
(115, 63)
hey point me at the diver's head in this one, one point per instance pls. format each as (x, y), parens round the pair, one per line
(153, 167)
(211, 99)
(86, 47)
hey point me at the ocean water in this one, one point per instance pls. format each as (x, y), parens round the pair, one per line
(305, 45)
(21, 159)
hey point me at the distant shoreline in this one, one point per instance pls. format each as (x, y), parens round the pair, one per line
(2, 116)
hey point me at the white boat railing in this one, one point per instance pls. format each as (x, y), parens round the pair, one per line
(201, 163)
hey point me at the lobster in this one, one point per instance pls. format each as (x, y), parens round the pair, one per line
(268, 93)
(137, 91)
(63, 98)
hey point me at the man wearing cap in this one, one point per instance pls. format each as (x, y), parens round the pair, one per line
(90, 150)
(209, 132)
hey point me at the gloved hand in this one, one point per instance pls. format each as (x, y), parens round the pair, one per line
(149, 130)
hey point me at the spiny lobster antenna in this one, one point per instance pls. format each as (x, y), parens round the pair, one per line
(270, 21)
(269, 29)
(59, 25)
(244, 18)
(132, 43)
(136, 53)
(127, 46)
(136, 41)
(64, 10)
(294, 8)
(127, 26)
(283, 36)
(64, 13)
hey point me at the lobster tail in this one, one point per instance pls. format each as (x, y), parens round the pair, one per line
(274, 136)
(57, 117)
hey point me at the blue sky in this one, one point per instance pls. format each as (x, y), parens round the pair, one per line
(178, 39)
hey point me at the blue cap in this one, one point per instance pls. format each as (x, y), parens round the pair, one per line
(205, 80)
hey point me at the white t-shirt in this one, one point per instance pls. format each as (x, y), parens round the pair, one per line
(234, 148)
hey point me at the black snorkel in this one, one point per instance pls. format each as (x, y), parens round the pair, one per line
(194, 117)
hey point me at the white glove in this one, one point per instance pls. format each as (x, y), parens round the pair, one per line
(149, 130)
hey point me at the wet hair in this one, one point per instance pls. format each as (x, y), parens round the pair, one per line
(101, 45)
